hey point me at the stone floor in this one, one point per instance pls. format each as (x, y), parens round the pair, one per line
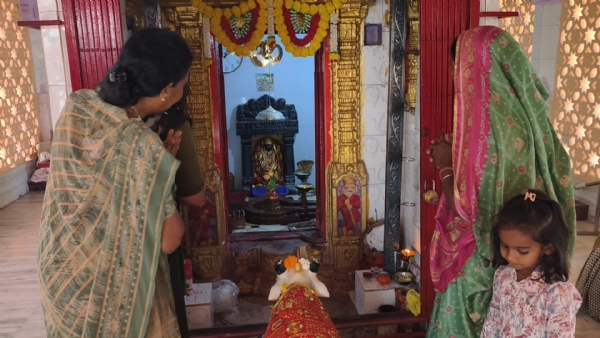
(20, 310)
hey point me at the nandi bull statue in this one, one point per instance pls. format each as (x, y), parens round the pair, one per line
(298, 311)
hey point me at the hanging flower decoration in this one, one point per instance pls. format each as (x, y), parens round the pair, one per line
(300, 22)
(288, 25)
(270, 26)
(207, 42)
(309, 44)
(333, 37)
(240, 26)
(237, 32)
(240, 29)
(248, 38)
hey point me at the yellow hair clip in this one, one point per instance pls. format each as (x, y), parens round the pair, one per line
(530, 195)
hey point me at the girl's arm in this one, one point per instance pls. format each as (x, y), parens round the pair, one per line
(562, 305)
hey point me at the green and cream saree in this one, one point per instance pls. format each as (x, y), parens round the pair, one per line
(101, 270)
(503, 143)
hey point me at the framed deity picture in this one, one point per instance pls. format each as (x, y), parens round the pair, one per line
(264, 83)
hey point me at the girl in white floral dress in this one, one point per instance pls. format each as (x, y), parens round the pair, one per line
(532, 294)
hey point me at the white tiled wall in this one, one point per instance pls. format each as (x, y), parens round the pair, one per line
(546, 35)
(410, 216)
(56, 58)
(375, 89)
(41, 82)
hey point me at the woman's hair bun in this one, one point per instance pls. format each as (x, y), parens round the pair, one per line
(152, 59)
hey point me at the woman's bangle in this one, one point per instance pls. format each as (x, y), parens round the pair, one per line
(445, 169)
(445, 177)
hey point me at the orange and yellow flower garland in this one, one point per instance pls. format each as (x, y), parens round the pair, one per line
(217, 15)
(271, 12)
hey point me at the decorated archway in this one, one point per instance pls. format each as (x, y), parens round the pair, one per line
(239, 27)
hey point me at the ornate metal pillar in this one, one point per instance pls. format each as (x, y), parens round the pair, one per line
(394, 230)
(151, 12)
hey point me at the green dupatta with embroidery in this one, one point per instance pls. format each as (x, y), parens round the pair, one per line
(503, 143)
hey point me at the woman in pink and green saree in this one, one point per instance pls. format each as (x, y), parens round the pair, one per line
(503, 143)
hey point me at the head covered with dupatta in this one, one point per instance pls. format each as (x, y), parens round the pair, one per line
(503, 142)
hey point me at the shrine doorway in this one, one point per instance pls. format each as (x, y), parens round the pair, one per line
(246, 87)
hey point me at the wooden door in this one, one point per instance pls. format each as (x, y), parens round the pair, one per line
(441, 23)
(94, 37)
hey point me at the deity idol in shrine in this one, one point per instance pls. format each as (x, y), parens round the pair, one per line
(267, 157)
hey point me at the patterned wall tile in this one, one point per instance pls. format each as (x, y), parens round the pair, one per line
(374, 153)
(376, 62)
(376, 193)
(375, 110)
(53, 51)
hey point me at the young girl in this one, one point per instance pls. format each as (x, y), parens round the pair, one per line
(532, 295)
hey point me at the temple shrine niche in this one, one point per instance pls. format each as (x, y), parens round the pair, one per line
(267, 141)
(286, 135)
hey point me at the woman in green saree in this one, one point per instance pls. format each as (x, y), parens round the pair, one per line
(109, 217)
(502, 144)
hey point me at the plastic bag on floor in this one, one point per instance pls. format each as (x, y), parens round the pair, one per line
(225, 295)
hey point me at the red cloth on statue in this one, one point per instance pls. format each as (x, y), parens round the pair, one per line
(299, 313)
(351, 217)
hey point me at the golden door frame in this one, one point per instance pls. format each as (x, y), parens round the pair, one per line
(346, 125)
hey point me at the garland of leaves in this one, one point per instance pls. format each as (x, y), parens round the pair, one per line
(300, 22)
(207, 42)
(240, 26)
(333, 37)
(240, 29)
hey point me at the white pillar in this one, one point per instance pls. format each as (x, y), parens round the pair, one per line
(489, 6)
(56, 57)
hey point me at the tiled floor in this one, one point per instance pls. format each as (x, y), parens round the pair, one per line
(20, 310)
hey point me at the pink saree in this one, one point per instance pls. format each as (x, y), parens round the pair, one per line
(453, 240)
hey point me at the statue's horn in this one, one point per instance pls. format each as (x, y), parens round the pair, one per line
(279, 267)
(314, 266)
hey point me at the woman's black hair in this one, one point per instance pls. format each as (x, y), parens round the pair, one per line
(453, 48)
(544, 221)
(151, 60)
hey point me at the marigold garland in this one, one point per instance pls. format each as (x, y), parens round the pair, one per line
(264, 15)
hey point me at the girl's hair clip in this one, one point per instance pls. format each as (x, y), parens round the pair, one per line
(530, 195)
